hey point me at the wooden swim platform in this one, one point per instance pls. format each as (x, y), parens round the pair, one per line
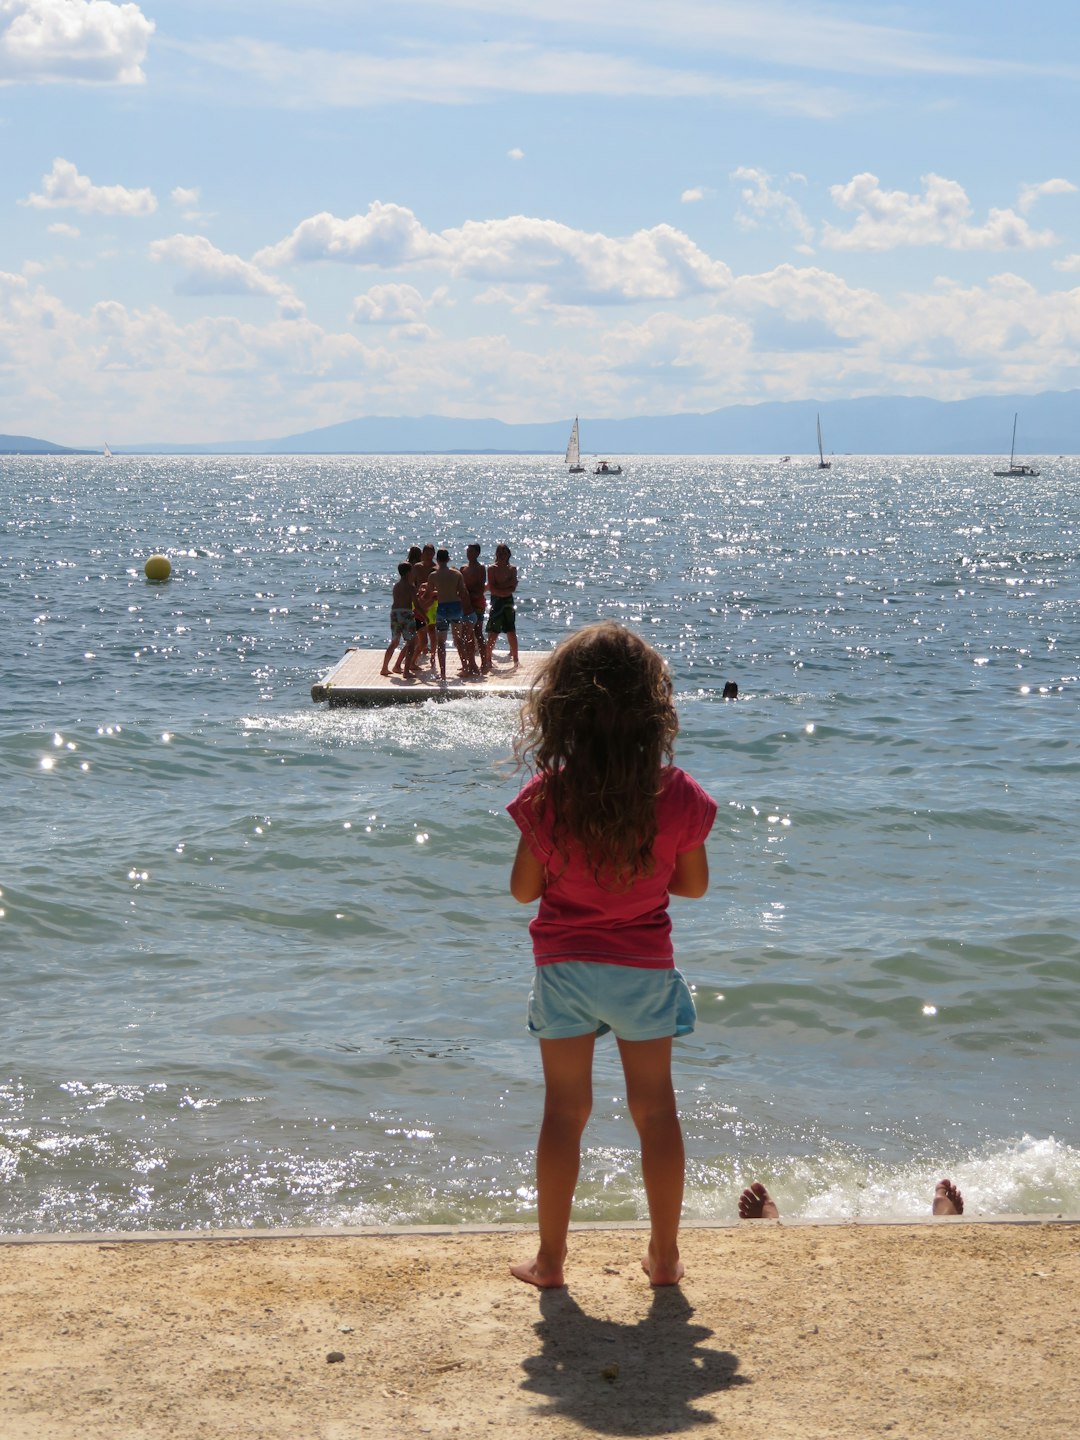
(356, 680)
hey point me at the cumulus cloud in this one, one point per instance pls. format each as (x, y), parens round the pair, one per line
(399, 306)
(755, 340)
(762, 201)
(1030, 194)
(1068, 263)
(575, 267)
(210, 271)
(187, 199)
(940, 215)
(386, 236)
(689, 197)
(69, 232)
(65, 188)
(87, 41)
(516, 153)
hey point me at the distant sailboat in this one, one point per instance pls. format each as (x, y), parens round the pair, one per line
(823, 464)
(573, 451)
(1014, 469)
(106, 452)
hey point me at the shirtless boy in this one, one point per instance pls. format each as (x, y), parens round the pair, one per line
(424, 604)
(502, 582)
(452, 601)
(402, 622)
(475, 576)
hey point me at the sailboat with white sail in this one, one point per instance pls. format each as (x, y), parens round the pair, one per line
(573, 451)
(106, 452)
(1019, 471)
(823, 464)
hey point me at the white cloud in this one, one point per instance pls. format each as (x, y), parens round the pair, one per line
(395, 305)
(784, 334)
(762, 202)
(810, 36)
(461, 74)
(1030, 194)
(209, 271)
(689, 197)
(516, 153)
(69, 232)
(187, 199)
(1068, 263)
(386, 236)
(579, 267)
(65, 188)
(573, 266)
(89, 41)
(939, 216)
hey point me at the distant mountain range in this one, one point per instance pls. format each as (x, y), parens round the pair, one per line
(874, 425)
(27, 445)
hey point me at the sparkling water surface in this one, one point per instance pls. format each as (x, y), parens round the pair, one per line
(259, 961)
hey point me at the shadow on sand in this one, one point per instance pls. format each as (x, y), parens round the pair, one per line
(621, 1379)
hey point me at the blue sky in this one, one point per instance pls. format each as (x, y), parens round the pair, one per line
(229, 221)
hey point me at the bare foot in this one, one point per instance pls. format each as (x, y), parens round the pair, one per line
(755, 1203)
(668, 1273)
(947, 1199)
(540, 1274)
(384, 672)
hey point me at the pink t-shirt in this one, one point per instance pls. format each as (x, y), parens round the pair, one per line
(578, 919)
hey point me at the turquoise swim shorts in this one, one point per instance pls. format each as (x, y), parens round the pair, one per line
(590, 997)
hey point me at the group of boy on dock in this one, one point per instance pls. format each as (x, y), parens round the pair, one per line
(431, 598)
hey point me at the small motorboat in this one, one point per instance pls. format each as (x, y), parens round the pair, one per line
(606, 467)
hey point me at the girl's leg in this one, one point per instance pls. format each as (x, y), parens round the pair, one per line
(651, 1098)
(567, 1104)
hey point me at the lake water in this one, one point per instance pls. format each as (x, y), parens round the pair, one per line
(259, 963)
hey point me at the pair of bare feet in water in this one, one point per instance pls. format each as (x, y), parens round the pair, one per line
(755, 1202)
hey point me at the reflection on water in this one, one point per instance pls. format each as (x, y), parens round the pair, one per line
(259, 961)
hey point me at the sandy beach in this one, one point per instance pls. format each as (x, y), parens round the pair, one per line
(805, 1331)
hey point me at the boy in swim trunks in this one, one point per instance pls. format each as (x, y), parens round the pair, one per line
(452, 601)
(402, 623)
(475, 576)
(502, 582)
(425, 601)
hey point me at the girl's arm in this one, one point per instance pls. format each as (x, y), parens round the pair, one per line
(527, 875)
(691, 874)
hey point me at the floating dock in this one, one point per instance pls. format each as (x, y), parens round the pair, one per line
(357, 680)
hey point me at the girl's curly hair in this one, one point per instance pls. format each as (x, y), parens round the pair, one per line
(597, 728)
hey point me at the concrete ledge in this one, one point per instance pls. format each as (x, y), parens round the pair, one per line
(352, 1232)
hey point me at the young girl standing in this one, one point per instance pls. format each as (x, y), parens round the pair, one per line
(610, 828)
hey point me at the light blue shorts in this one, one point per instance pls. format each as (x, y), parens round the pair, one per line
(590, 997)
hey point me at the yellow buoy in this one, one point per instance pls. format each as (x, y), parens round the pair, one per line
(158, 567)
